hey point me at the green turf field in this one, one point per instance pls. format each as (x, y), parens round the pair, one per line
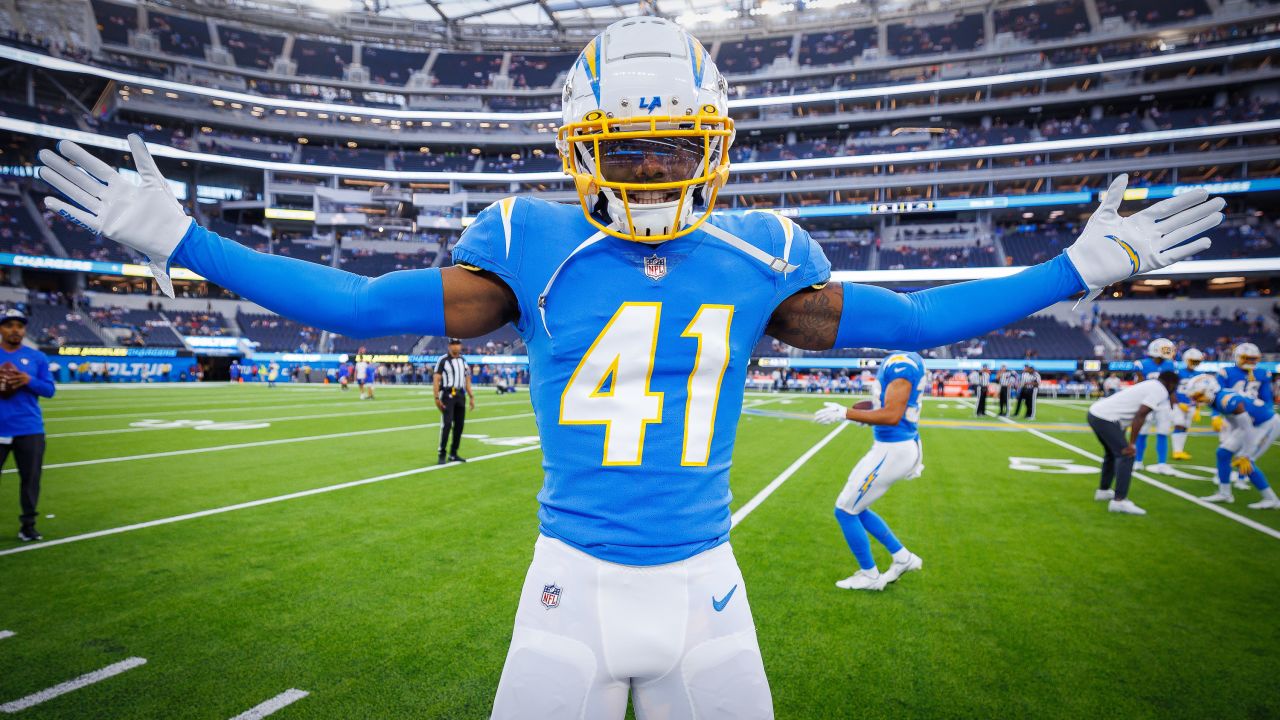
(394, 598)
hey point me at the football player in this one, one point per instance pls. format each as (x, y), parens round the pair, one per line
(1245, 378)
(640, 308)
(362, 375)
(1185, 412)
(1249, 428)
(895, 455)
(1160, 354)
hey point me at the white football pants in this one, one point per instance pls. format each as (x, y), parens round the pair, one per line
(884, 464)
(1241, 437)
(679, 637)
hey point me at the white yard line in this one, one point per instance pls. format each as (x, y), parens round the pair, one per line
(196, 408)
(263, 443)
(794, 467)
(255, 503)
(6, 634)
(257, 712)
(1155, 483)
(70, 685)
(417, 408)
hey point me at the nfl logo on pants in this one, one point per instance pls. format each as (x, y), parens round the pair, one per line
(551, 596)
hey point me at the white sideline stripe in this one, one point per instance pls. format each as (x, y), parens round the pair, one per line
(66, 687)
(417, 408)
(195, 407)
(768, 490)
(262, 443)
(261, 710)
(255, 503)
(1155, 483)
(6, 634)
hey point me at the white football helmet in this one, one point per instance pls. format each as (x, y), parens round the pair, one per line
(1246, 356)
(1192, 357)
(1161, 348)
(1203, 388)
(646, 130)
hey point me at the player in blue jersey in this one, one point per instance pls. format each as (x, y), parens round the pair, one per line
(1244, 378)
(1160, 354)
(1185, 412)
(1249, 428)
(639, 307)
(895, 455)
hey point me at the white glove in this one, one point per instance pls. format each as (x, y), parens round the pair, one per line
(1114, 248)
(146, 217)
(830, 413)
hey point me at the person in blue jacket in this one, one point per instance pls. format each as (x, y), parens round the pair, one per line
(24, 379)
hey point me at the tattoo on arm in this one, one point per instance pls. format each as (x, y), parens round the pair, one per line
(810, 318)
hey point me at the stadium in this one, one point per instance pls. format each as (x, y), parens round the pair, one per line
(228, 528)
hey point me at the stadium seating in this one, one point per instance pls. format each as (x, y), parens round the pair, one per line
(115, 21)
(438, 161)
(908, 257)
(251, 49)
(1211, 333)
(1240, 238)
(37, 114)
(746, 56)
(1033, 337)
(146, 328)
(179, 35)
(391, 67)
(208, 324)
(393, 344)
(1049, 21)
(18, 232)
(344, 157)
(1152, 12)
(1031, 244)
(58, 325)
(535, 71)
(465, 70)
(964, 33)
(84, 245)
(321, 59)
(276, 334)
(836, 47)
(364, 262)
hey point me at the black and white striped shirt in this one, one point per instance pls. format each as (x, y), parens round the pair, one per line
(453, 372)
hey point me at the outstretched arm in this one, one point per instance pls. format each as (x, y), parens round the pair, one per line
(1111, 248)
(147, 218)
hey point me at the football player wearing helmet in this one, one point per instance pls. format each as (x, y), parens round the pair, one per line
(643, 289)
(895, 455)
(1160, 354)
(1249, 428)
(1185, 412)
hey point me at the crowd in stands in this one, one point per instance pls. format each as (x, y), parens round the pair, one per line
(373, 264)
(277, 334)
(751, 55)
(916, 257)
(1050, 21)
(18, 233)
(179, 35)
(1212, 332)
(1152, 12)
(391, 67)
(189, 322)
(836, 47)
(321, 59)
(465, 70)
(1030, 338)
(534, 71)
(137, 328)
(960, 35)
(251, 49)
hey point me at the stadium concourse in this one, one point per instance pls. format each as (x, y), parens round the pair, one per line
(218, 547)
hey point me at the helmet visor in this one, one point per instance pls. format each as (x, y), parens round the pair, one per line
(644, 161)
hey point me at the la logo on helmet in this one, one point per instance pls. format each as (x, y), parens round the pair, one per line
(651, 104)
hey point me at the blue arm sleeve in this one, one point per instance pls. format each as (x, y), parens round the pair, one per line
(876, 317)
(41, 382)
(402, 302)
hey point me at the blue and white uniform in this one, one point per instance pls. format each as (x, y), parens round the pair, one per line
(1244, 434)
(896, 453)
(638, 357)
(1182, 417)
(1254, 383)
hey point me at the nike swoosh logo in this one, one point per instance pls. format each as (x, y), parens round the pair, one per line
(719, 604)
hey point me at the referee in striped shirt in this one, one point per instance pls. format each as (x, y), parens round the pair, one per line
(451, 381)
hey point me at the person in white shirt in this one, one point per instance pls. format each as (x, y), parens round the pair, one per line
(1108, 418)
(1111, 385)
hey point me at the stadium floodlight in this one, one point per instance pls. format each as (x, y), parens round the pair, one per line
(710, 17)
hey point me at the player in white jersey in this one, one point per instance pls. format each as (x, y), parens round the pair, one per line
(362, 370)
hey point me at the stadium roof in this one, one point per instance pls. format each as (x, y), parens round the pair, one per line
(537, 12)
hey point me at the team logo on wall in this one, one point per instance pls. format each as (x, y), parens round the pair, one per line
(551, 596)
(655, 268)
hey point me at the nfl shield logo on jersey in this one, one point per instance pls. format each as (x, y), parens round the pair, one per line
(655, 268)
(551, 596)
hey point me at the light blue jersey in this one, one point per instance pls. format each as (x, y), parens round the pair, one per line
(638, 357)
(1259, 411)
(1254, 384)
(1149, 368)
(907, 366)
(1185, 374)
